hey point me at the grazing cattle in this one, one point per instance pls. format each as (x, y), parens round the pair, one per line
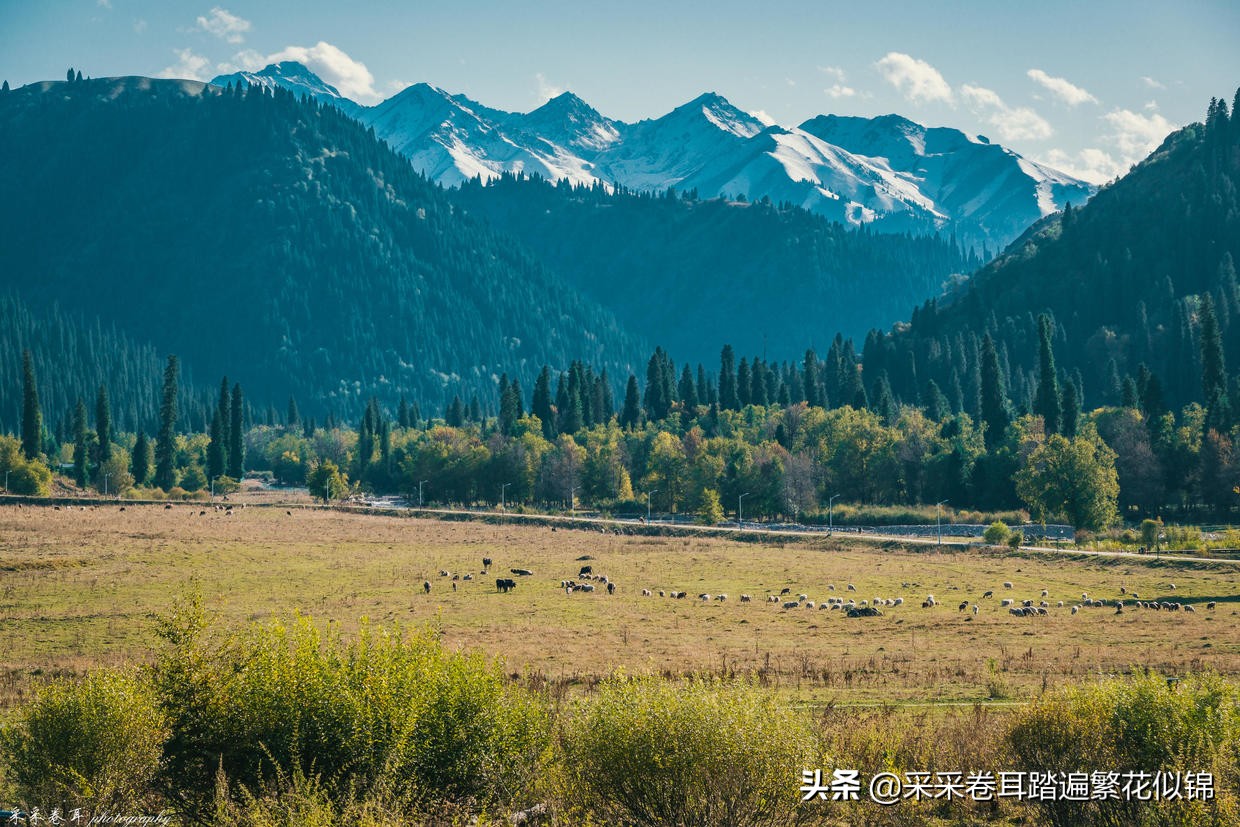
(505, 584)
(585, 570)
(426, 586)
(521, 572)
(486, 563)
(611, 588)
(784, 591)
(988, 594)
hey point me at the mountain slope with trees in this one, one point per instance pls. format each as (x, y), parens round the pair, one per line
(253, 233)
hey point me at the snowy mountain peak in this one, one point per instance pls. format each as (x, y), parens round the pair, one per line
(568, 121)
(720, 112)
(296, 78)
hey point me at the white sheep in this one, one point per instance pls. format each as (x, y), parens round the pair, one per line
(1075, 609)
(1007, 601)
(851, 587)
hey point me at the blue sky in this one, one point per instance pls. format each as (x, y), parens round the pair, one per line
(1088, 87)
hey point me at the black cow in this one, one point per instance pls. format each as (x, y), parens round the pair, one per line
(486, 563)
(504, 584)
(426, 586)
(611, 588)
(585, 570)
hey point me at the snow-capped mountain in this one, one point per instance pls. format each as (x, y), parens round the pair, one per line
(888, 172)
(295, 77)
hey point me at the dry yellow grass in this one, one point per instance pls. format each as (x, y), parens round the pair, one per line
(78, 589)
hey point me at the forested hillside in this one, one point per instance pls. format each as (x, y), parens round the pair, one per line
(692, 273)
(274, 240)
(1132, 282)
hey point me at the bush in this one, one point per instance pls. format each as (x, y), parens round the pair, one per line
(1015, 540)
(1145, 723)
(996, 534)
(649, 751)
(93, 743)
(388, 711)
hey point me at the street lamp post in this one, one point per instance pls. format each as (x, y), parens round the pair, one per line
(938, 520)
(648, 494)
(831, 514)
(740, 514)
(105, 484)
(572, 499)
(420, 484)
(503, 501)
(6, 482)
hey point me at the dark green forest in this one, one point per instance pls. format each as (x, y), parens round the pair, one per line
(691, 273)
(273, 239)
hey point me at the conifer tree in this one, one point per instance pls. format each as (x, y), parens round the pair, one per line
(744, 383)
(293, 418)
(140, 462)
(455, 414)
(540, 405)
(103, 424)
(994, 394)
(507, 408)
(1046, 401)
(688, 390)
(1213, 372)
(165, 443)
(1071, 406)
(811, 381)
(81, 444)
(631, 415)
(236, 436)
(217, 449)
(32, 414)
(728, 399)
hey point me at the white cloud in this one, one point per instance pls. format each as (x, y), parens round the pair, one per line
(223, 24)
(1090, 164)
(839, 90)
(246, 60)
(1136, 135)
(546, 89)
(834, 72)
(1014, 123)
(1067, 92)
(917, 80)
(1150, 83)
(349, 76)
(188, 65)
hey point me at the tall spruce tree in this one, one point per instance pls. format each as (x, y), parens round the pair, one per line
(540, 405)
(631, 414)
(140, 462)
(1213, 371)
(728, 399)
(103, 424)
(1046, 401)
(1071, 405)
(217, 449)
(811, 382)
(236, 435)
(994, 394)
(32, 414)
(81, 444)
(165, 443)
(292, 419)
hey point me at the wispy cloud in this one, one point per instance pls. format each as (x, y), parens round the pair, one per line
(223, 24)
(1150, 83)
(917, 80)
(546, 89)
(839, 90)
(834, 72)
(1014, 123)
(246, 60)
(349, 76)
(1136, 135)
(1061, 88)
(1091, 164)
(189, 65)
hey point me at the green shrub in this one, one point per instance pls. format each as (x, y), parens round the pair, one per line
(1144, 723)
(389, 710)
(997, 533)
(92, 743)
(647, 751)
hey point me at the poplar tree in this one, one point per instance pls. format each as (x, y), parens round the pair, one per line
(140, 462)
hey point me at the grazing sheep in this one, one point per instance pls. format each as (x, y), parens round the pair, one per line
(1007, 585)
(791, 604)
(1027, 603)
(704, 597)
(1007, 601)
(678, 595)
(1042, 611)
(1059, 604)
(1171, 586)
(745, 598)
(721, 597)
(661, 593)
(851, 587)
(822, 606)
(1044, 604)
(830, 587)
(1123, 590)
(802, 597)
(930, 599)
(1119, 608)
(584, 587)
(772, 599)
(964, 605)
(611, 588)
(468, 577)
(784, 591)
(809, 604)
(521, 572)
(1075, 609)
(988, 594)
(899, 601)
(1135, 595)
(975, 609)
(1210, 605)
(1017, 611)
(1045, 593)
(1188, 607)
